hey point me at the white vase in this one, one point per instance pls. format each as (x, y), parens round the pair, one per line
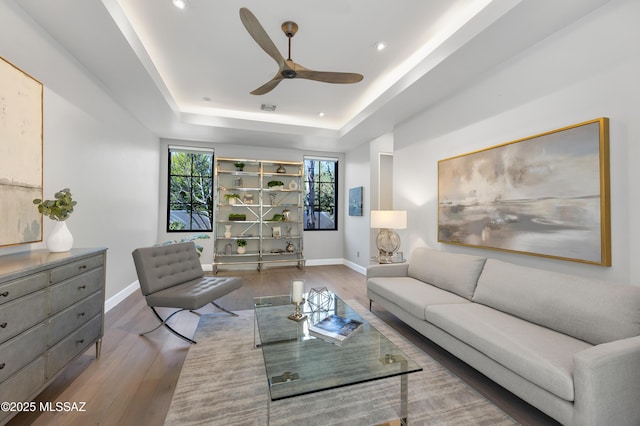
(227, 231)
(242, 250)
(59, 239)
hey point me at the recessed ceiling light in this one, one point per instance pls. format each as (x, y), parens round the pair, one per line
(180, 4)
(381, 45)
(321, 114)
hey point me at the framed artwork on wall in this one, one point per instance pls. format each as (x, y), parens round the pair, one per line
(544, 195)
(21, 129)
(355, 201)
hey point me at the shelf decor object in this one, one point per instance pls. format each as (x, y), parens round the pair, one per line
(388, 241)
(543, 195)
(268, 199)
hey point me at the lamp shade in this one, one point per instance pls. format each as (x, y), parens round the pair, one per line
(391, 219)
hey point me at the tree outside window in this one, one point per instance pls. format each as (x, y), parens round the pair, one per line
(190, 206)
(321, 186)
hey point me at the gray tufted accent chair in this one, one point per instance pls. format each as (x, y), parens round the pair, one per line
(171, 276)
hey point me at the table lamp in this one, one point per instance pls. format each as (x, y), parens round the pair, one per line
(388, 241)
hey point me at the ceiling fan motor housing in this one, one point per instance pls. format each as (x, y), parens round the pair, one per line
(288, 73)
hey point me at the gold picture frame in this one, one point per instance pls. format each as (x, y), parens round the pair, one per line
(544, 195)
(21, 158)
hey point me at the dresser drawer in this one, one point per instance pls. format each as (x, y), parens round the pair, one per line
(13, 289)
(74, 344)
(73, 317)
(78, 267)
(22, 314)
(77, 288)
(22, 386)
(21, 350)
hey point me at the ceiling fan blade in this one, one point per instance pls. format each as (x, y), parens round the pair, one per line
(268, 86)
(261, 37)
(329, 77)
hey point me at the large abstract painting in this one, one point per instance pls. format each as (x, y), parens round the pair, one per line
(545, 195)
(20, 156)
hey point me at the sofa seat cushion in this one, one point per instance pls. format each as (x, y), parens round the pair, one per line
(538, 354)
(194, 294)
(454, 272)
(412, 295)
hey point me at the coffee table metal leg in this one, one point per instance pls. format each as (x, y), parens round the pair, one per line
(404, 396)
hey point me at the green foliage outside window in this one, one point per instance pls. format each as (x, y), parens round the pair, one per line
(321, 194)
(190, 190)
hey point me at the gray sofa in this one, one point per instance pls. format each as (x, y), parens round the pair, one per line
(569, 346)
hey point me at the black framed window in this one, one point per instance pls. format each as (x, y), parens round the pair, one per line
(321, 194)
(190, 198)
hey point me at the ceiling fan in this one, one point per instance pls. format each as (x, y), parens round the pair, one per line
(287, 68)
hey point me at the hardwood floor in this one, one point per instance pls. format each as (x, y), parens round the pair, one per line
(133, 381)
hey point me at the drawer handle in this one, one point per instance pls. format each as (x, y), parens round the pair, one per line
(5, 294)
(3, 325)
(81, 314)
(2, 365)
(82, 267)
(82, 287)
(81, 341)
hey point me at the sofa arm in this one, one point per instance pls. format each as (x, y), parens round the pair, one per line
(607, 384)
(388, 270)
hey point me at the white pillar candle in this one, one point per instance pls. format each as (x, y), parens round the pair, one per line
(296, 291)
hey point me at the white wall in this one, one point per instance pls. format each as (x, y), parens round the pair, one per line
(362, 165)
(320, 247)
(588, 70)
(358, 170)
(91, 145)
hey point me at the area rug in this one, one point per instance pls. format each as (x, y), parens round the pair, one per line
(223, 382)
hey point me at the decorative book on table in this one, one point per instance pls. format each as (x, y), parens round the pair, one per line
(335, 329)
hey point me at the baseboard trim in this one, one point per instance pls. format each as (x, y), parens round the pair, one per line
(324, 262)
(358, 268)
(114, 300)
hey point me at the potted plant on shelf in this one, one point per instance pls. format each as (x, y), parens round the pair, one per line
(237, 216)
(275, 184)
(242, 246)
(232, 198)
(58, 209)
(239, 165)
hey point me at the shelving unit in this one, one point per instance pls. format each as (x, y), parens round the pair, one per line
(272, 223)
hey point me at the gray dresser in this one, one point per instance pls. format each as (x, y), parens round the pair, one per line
(51, 311)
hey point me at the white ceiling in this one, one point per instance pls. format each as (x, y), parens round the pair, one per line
(187, 74)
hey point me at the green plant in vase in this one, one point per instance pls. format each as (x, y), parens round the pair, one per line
(239, 165)
(242, 246)
(274, 184)
(59, 209)
(232, 198)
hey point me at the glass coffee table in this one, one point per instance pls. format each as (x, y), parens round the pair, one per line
(298, 364)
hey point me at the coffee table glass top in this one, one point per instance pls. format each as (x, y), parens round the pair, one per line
(297, 363)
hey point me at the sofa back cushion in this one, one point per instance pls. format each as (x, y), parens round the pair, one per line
(590, 310)
(457, 273)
